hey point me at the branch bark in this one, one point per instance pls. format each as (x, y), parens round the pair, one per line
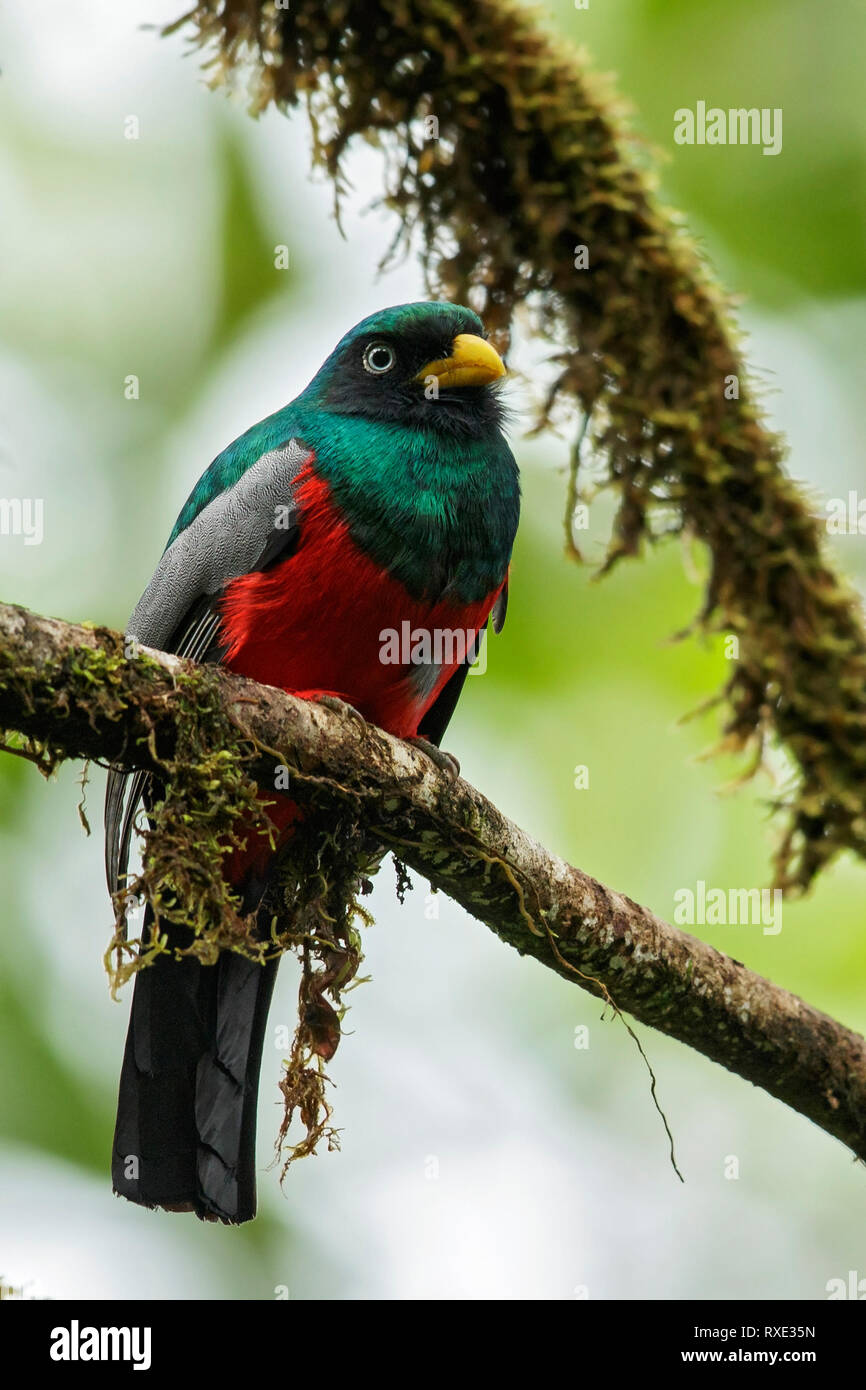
(74, 690)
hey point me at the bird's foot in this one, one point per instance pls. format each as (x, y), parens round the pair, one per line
(446, 762)
(338, 706)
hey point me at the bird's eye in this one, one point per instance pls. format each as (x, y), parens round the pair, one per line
(379, 358)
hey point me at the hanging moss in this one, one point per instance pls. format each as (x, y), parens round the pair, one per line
(502, 155)
(211, 805)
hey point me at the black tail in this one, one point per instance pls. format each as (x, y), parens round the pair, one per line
(186, 1115)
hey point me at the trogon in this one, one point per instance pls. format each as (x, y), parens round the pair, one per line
(384, 495)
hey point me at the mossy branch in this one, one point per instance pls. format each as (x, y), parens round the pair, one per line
(72, 693)
(503, 155)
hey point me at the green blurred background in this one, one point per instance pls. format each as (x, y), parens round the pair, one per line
(484, 1155)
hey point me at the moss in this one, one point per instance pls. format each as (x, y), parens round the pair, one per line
(205, 803)
(533, 158)
(209, 805)
(316, 910)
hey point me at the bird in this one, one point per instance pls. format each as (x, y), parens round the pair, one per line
(384, 494)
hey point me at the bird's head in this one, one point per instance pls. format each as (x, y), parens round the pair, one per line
(428, 365)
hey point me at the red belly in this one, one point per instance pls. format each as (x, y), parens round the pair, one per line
(318, 623)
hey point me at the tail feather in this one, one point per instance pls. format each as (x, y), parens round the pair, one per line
(186, 1119)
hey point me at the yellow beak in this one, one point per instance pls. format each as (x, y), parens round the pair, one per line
(473, 362)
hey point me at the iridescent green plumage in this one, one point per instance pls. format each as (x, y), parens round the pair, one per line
(427, 486)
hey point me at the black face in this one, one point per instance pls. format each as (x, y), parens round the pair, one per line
(374, 372)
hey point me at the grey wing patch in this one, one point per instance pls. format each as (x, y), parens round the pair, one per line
(122, 797)
(240, 530)
(201, 634)
(245, 528)
(116, 834)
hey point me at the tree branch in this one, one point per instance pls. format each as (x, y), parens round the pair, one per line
(74, 690)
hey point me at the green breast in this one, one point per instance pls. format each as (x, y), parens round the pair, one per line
(440, 515)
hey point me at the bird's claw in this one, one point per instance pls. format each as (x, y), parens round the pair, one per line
(338, 706)
(446, 762)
